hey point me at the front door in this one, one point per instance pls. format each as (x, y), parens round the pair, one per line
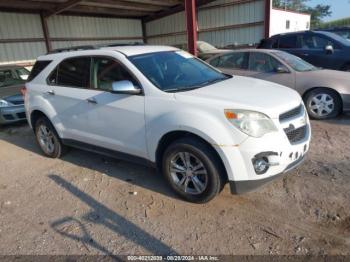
(264, 66)
(116, 121)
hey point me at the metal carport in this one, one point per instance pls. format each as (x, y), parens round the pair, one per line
(51, 24)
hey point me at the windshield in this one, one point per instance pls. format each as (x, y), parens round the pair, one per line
(205, 47)
(295, 62)
(176, 71)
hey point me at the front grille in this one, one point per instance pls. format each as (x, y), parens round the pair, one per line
(296, 135)
(20, 102)
(21, 115)
(8, 117)
(292, 113)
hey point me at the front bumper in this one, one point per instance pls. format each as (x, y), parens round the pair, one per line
(283, 150)
(241, 187)
(12, 114)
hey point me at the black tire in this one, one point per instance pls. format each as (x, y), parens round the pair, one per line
(346, 68)
(215, 175)
(58, 148)
(317, 94)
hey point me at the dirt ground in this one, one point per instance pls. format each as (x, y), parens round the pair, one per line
(89, 204)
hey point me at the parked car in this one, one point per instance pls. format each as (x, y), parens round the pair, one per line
(204, 49)
(326, 93)
(12, 79)
(341, 31)
(162, 106)
(321, 49)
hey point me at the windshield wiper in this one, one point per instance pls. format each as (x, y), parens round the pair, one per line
(181, 89)
(173, 90)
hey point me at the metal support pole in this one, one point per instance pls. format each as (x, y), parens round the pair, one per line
(191, 24)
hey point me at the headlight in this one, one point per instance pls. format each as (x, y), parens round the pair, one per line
(4, 103)
(252, 123)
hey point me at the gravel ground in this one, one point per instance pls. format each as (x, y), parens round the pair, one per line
(89, 204)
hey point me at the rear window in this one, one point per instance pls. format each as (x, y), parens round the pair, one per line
(37, 68)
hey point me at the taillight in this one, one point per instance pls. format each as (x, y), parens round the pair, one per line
(23, 91)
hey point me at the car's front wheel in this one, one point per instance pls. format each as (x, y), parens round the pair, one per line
(193, 170)
(47, 138)
(323, 103)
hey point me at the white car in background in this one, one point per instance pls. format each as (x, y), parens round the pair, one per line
(161, 106)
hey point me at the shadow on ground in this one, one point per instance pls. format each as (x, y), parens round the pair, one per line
(102, 215)
(22, 136)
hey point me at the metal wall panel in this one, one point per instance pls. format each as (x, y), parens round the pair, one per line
(240, 23)
(21, 52)
(17, 26)
(28, 27)
(79, 26)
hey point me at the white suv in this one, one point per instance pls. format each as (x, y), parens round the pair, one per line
(161, 106)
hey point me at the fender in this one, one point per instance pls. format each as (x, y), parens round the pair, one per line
(213, 130)
(38, 103)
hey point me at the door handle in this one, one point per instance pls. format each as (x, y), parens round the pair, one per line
(51, 92)
(91, 100)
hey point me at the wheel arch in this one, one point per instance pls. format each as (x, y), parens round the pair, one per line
(34, 116)
(172, 136)
(322, 87)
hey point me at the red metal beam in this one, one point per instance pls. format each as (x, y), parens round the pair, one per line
(45, 32)
(268, 6)
(191, 24)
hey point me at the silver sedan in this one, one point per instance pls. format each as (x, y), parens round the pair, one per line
(326, 93)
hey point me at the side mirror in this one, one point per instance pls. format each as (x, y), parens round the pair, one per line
(282, 70)
(329, 49)
(125, 87)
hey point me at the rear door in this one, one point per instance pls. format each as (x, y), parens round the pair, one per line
(68, 93)
(264, 66)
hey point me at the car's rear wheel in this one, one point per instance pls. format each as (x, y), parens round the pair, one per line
(193, 170)
(323, 103)
(47, 138)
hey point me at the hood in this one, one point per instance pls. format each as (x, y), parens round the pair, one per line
(245, 93)
(9, 93)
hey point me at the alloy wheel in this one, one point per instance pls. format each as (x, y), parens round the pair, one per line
(46, 139)
(188, 173)
(322, 105)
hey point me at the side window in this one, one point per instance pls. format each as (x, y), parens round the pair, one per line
(215, 62)
(288, 42)
(22, 73)
(39, 66)
(106, 71)
(263, 63)
(316, 42)
(73, 72)
(8, 78)
(234, 61)
(287, 24)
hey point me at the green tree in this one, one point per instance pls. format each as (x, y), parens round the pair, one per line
(317, 13)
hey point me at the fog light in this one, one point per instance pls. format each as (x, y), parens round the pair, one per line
(261, 165)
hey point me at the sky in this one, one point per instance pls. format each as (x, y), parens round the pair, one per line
(340, 8)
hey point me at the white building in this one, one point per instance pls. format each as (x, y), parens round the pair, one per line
(284, 21)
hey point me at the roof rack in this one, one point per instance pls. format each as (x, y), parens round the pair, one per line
(73, 48)
(92, 47)
(123, 44)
